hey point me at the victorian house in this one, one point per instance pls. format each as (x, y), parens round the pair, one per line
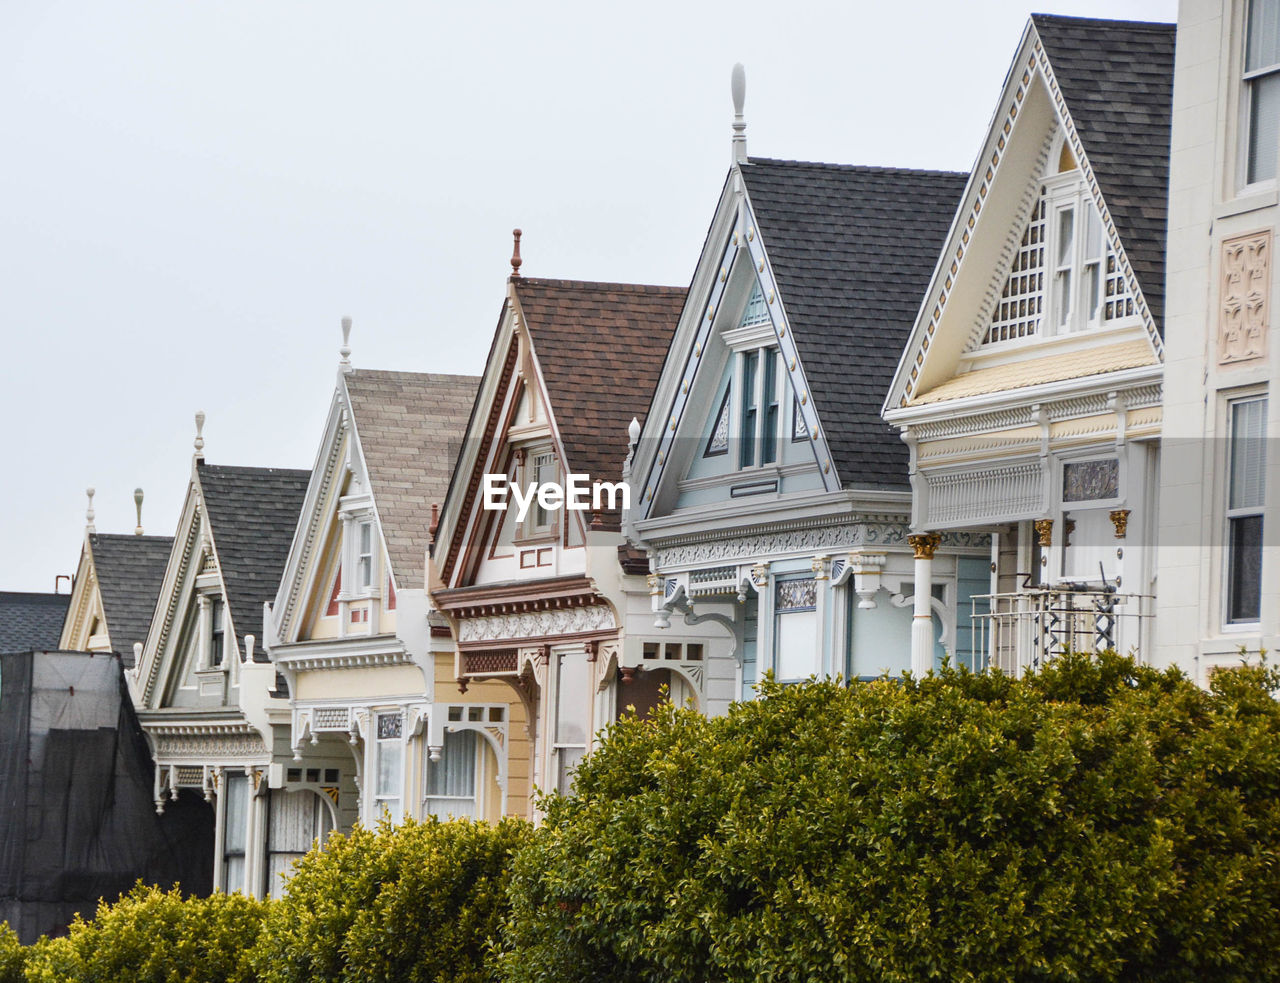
(214, 710)
(537, 599)
(1029, 388)
(1219, 567)
(369, 664)
(114, 591)
(770, 498)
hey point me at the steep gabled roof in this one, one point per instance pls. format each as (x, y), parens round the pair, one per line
(1117, 80)
(600, 347)
(852, 249)
(31, 621)
(411, 426)
(130, 572)
(253, 513)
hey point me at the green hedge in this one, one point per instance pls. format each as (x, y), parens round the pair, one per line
(417, 902)
(1098, 822)
(153, 936)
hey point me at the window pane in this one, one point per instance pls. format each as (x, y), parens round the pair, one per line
(1263, 47)
(769, 445)
(569, 759)
(1248, 454)
(747, 453)
(1066, 232)
(573, 700)
(796, 645)
(1062, 296)
(237, 791)
(1264, 127)
(455, 773)
(1245, 569)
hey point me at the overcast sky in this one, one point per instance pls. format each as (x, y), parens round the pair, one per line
(192, 194)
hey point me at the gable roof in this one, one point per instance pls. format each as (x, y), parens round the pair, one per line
(130, 571)
(411, 426)
(31, 621)
(253, 513)
(1117, 80)
(852, 250)
(600, 347)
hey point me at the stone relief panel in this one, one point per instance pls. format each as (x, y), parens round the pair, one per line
(569, 621)
(1245, 290)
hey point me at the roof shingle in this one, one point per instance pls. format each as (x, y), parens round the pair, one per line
(30, 621)
(852, 249)
(411, 426)
(130, 571)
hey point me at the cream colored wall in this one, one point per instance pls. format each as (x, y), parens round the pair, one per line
(347, 684)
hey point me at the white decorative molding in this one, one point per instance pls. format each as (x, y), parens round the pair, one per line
(992, 494)
(538, 624)
(1245, 312)
(210, 747)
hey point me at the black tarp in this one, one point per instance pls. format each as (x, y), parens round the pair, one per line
(77, 812)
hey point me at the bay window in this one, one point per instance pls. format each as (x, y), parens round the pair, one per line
(1246, 491)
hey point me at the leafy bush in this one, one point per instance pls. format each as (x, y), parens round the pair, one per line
(1099, 821)
(12, 955)
(153, 936)
(416, 902)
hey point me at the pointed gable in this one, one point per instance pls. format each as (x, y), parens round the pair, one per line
(600, 348)
(1117, 80)
(253, 513)
(410, 427)
(852, 250)
(130, 571)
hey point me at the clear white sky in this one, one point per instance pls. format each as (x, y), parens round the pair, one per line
(193, 193)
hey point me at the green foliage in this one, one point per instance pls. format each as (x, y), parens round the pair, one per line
(415, 903)
(153, 936)
(12, 955)
(1099, 821)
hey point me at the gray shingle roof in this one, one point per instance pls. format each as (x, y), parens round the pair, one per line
(1117, 80)
(130, 571)
(411, 426)
(853, 249)
(253, 513)
(31, 621)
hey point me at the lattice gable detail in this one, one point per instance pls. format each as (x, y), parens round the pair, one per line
(1037, 63)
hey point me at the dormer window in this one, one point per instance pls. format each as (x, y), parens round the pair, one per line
(1260, 98)
(543, 472)
(758, 432)
(217, 633)
(364, 555)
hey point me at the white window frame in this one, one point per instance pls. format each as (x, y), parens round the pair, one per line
(439, 805)
(1229, 514)
(378, 799)
(1250, 80)
(1067, 192)
(766, 404)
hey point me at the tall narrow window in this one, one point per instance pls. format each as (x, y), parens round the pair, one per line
(1094, 250)
(217, 633)
(1063, 256)
(544, 473)
(750, 410)
(364, 557)
(1246, 476)
(795, 630)
(769, 399)
(451, 781)
(235, 817)
(389, 776)
(1261, 96)
(573, 713)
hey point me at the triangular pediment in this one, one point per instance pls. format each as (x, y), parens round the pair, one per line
(85, 621)
(1034, 284)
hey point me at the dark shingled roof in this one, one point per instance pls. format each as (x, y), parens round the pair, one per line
(31, 621)
(253, 513)
(411, 426)
(853, 249)
(130, 571)
(600, 347)
(1117, 80)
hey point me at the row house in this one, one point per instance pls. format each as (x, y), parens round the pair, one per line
(1029, 389)
(538, 601)
(770, 498)
(1218, 565)
(214, 709)
(368, 661)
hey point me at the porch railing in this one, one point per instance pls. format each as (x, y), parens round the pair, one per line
(1024, 630)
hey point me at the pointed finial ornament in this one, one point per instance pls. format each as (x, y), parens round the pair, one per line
(516, 261)
(137, 502)
(88, 513)
(738, 86)
(199, 443)
(345, 350)
(633, 431)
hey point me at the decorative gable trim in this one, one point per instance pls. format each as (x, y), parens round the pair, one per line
(1032, 61)
(742, 242)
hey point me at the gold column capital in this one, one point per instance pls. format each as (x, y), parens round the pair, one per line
(924, 543)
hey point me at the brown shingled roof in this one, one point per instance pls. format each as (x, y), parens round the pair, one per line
(600, 347)
(411, 426)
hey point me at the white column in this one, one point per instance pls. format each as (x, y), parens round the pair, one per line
(922, 623)
(219, 830)
(255, 847)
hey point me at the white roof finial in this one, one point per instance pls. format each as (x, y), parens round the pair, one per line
(137, 501)
(199, 435)
(345, 350)
(633, 431)
(88, 513)
(738, 86)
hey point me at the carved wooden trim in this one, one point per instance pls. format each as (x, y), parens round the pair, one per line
(1244, 314)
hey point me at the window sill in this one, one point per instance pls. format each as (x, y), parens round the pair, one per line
(1248, 201)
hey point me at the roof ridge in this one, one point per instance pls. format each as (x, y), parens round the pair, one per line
(857, 168)
(415, 375)
(600, 284)
(251, 469)
(1108, 21)
(130, 537)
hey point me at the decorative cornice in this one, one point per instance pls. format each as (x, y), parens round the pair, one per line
(578, 620)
